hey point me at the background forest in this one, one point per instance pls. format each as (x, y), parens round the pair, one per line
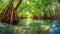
(32, 8)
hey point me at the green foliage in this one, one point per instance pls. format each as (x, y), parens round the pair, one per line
(3, 4)
(34, 7)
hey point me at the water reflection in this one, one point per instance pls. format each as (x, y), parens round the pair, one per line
(54, 28)
(27, 23)
(44, 25)
(31, 26)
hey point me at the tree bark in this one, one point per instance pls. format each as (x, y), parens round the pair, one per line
(9, 15)
(18, 4)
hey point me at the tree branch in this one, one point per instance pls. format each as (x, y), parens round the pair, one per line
(18, 4)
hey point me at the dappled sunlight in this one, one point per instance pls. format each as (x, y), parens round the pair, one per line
(45, 27)
(28, 15)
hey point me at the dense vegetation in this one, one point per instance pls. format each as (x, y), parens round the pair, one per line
(33, 9)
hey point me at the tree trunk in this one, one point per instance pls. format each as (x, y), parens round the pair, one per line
(9, 15)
